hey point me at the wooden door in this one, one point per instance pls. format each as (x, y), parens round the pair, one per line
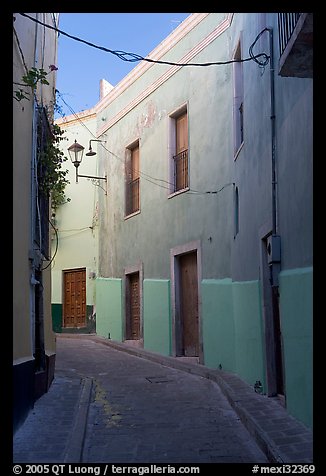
(133, 306)
(74, 306)
(189, 305)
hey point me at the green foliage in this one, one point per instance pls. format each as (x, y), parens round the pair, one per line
(21, 94)
(30, 79)
(52, 177)
(34, 76)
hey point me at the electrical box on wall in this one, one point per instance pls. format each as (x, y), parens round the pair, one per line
(274, 249)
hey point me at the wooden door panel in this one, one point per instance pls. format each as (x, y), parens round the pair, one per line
(134, 306)
(181, 133)
(74, 308)
(189, 304)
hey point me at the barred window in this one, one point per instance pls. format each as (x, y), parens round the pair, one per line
(132, 180)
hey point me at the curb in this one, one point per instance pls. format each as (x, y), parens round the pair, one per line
(74, 449)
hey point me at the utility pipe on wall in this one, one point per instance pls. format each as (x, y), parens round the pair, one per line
(273, 138)
(274, 245)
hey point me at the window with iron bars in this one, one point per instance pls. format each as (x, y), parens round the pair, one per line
(180, 158)
(181, 171)
(132, 181)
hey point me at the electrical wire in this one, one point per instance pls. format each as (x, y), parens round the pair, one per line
(21, 52)
(251, 47)
(56, 247)
(77, 229)
(133, 57)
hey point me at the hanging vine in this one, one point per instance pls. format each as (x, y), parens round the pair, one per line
(51, 177)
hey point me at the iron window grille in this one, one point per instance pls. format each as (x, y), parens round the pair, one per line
(181, 171)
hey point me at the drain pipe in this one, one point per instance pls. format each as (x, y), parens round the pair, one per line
(272, 98)
(274, 240)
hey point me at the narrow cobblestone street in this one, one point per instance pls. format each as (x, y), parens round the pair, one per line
(143, 412)
(115, 403)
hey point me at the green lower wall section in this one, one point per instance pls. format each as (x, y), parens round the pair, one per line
(157, 316)
(90, 327)
(248, 341)
(218, 324)
(109, 308)
(232, 328)
(296, 310)
(57, 317)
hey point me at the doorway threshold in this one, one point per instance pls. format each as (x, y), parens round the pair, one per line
(190, 360)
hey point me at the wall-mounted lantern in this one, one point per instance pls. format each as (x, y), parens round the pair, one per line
(76, 152)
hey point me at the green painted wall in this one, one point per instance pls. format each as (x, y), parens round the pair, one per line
(296, 309)
(109, 308)
(57, 321)
(57, 317)
(218, 324)
(157, 316)
(248, 340)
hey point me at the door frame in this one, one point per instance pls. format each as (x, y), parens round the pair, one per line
(137, 268)
(70, 270)
(175, 253)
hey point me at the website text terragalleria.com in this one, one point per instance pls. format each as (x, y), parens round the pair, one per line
(103, 469)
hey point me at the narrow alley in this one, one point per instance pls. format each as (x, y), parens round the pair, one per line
(140, 412)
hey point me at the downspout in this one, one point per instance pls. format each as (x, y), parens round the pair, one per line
(32, 254)
(272, 97)
(274, 241)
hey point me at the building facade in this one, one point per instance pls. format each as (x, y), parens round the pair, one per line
(33, 339)
(205, 233)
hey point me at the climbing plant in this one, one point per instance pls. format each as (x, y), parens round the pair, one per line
(51, 177)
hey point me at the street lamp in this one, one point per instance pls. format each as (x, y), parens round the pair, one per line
(76, 152)
(91, 151)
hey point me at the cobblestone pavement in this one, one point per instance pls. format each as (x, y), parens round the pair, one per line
(111, 403)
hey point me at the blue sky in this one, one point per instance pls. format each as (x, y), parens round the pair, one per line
(81, 67)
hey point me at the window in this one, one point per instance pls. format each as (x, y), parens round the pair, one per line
(132, 180)
(236, 211)
(238, 111)
(179, 163)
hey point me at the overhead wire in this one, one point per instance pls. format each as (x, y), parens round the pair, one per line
(134, 57)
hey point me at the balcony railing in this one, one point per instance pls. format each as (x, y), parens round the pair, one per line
(181, 175)
(132, 197)
(286, 25)
(295, 44)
